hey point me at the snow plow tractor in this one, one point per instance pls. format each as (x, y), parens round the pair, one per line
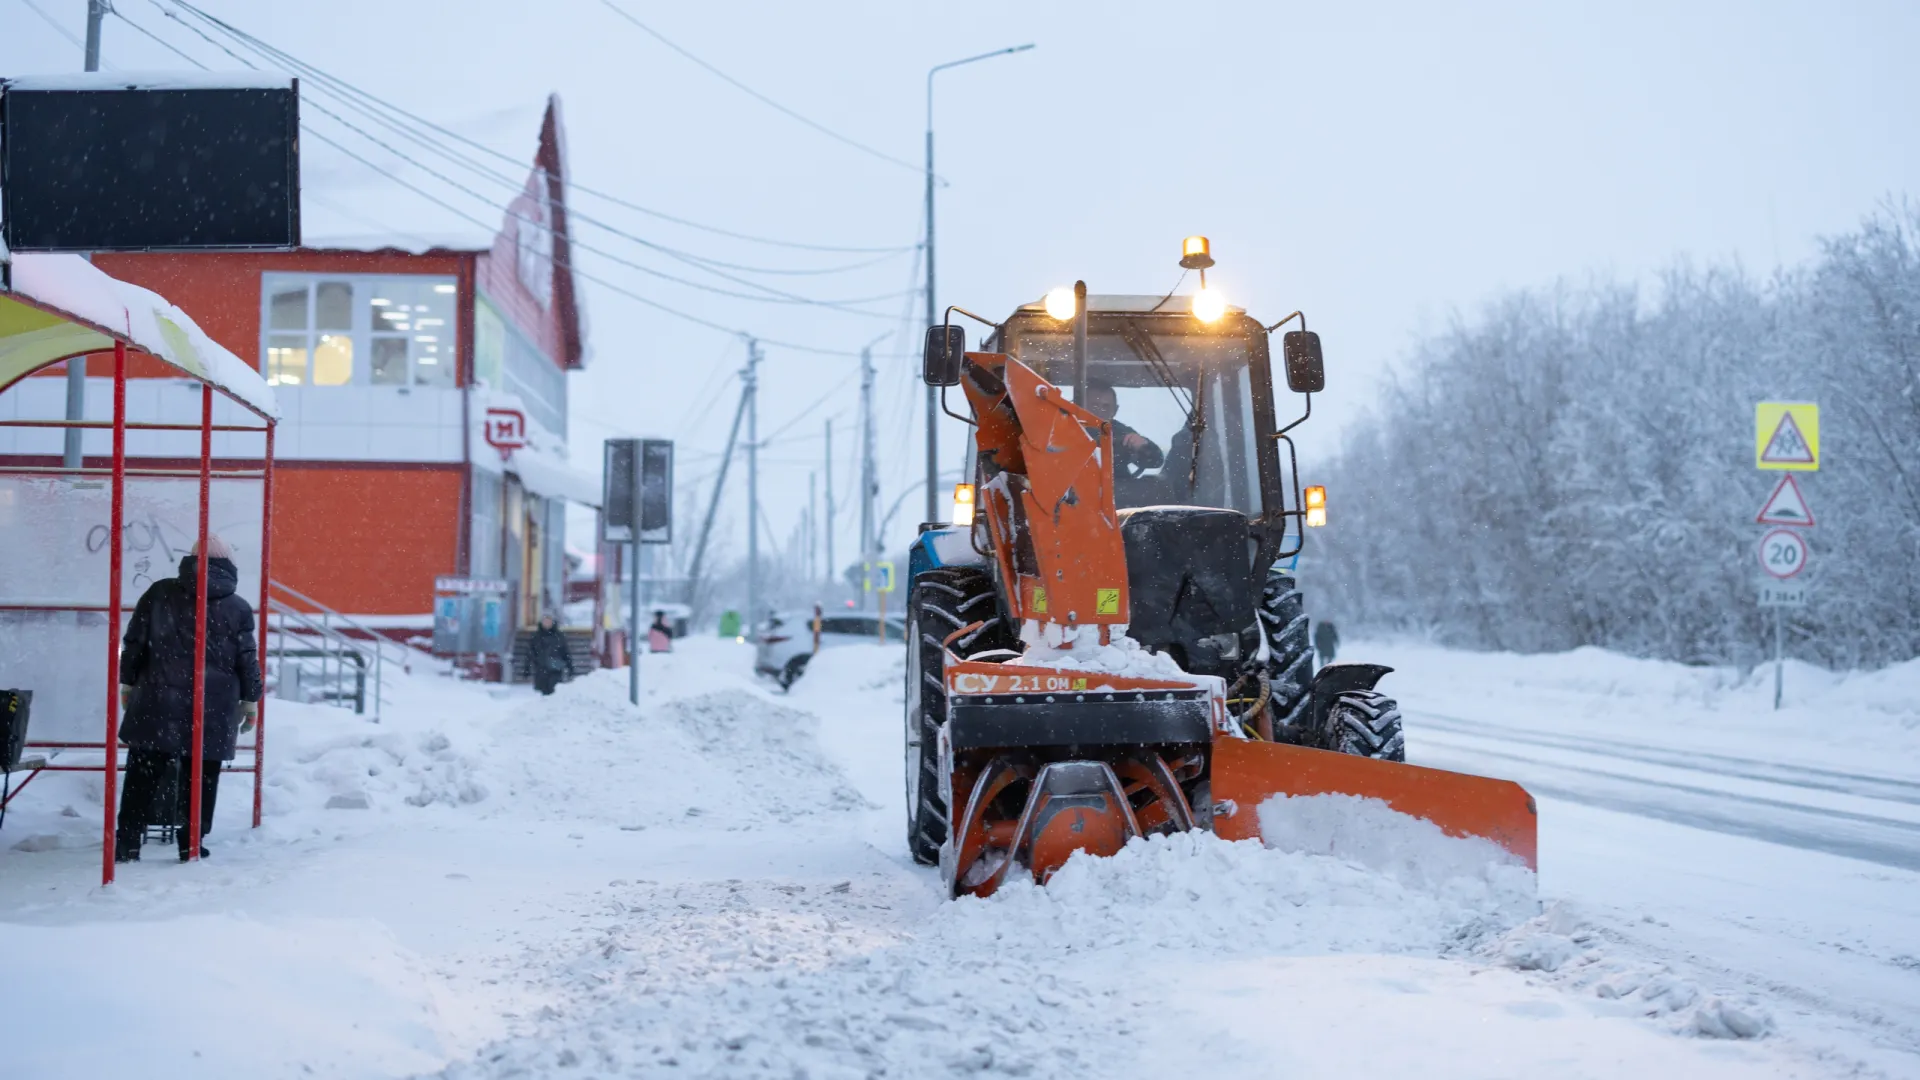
(1109, 647)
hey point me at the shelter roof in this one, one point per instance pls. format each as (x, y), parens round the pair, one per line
(61, 306)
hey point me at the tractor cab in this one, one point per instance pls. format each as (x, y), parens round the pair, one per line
(1189, 400)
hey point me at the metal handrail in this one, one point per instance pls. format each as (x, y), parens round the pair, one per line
(343, 646)
(380, 641)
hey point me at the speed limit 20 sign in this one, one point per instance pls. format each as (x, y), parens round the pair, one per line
(1783, 553)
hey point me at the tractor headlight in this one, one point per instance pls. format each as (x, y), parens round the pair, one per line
(1060, 303)
(1316, 506)
(1209, 304)
(963, 501)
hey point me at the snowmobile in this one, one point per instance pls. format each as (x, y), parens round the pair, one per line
(1104, 644)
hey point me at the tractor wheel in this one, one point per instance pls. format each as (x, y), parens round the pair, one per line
(944, 600)
(1283, 618)
(1366, 723)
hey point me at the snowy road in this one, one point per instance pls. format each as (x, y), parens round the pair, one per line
(1856, 814)
(1681, 813)
(715, 886)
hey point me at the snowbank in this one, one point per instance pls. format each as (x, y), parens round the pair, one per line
(1562, 946)
(1867, 720)
(1369, 833)
(1194, 891)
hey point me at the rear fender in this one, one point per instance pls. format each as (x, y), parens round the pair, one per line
(1336, 679)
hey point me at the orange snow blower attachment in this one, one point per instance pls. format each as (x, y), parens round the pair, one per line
(1246, 773)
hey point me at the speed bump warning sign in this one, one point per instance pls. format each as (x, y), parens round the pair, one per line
(1786, 435)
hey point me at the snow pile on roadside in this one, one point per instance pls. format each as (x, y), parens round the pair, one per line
(716, 754)
(1372, 834)
(1197, 891)
(321, 757)
(1567, 951)
(727, 756)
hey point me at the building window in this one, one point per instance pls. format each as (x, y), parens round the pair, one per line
(503, 358)
(353, 329)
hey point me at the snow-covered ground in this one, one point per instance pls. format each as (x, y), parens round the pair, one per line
(494, 885)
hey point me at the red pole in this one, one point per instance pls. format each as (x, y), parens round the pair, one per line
(266, 591)
(110, 768)
(196, 748)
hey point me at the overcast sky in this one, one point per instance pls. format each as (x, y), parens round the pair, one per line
(1384, 167)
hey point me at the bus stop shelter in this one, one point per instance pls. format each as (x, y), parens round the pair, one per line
(81, 543)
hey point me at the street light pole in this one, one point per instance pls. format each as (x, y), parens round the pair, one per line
(77, 367)
(933, 307)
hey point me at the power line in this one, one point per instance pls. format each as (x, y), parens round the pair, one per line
(436, 200)
(760, 97)
(55, 23)
(346, 89)
(777, 296)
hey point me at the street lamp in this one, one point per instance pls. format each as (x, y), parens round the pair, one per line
(933, 395)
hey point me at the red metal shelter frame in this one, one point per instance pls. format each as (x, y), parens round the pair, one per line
(109, 746)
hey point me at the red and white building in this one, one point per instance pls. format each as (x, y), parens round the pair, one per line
(388, 354)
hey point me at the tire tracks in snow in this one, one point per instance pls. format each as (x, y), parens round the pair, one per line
(1574, 769)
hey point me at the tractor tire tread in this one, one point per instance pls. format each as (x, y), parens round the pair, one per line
(943, 596)
(1366, 723)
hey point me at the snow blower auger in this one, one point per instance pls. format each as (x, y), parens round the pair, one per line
(1110, 648)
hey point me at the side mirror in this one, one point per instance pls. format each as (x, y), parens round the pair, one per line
(946, 347)
(1306, 373)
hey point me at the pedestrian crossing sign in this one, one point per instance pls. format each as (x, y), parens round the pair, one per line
(1786, 435)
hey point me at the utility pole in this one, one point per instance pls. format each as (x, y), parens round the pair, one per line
(829, 521)
(809, 540)
(933, 309)
(719, 487)
(933, 317)
(869, 487)
(753, 483)
(77, 367)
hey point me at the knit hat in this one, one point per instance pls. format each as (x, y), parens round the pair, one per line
(216, 548)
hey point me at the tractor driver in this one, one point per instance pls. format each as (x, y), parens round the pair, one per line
(1134, 455)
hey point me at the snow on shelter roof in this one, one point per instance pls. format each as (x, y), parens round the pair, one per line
(153, 80)
(62, 306)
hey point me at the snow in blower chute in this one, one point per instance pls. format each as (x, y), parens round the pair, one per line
(1109, 647)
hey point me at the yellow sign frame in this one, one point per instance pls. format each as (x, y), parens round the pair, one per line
(1771, 418)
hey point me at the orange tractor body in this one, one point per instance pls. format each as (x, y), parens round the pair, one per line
(1037, 726)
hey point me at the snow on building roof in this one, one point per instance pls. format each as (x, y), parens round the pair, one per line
(356, 195)
(153, 80)
(62, 306)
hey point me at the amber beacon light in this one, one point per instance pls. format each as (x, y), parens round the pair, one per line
(963, 504)
(1316, 506)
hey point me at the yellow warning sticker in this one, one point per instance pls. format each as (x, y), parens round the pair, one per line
(1106, 602)
(1039, 604)
(1079, 684)
(1786, 435)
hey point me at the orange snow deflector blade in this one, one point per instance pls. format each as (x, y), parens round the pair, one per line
(1247, 773)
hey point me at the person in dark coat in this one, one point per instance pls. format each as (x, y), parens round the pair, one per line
(1326, 641)
(548, 656)
(156, 694)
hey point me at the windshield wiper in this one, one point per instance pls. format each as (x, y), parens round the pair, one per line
(1148, 351)
(1192, 403)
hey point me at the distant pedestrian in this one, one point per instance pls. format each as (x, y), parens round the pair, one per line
(156, 695)
(548, 656)
(1326, 641)
(660, 635)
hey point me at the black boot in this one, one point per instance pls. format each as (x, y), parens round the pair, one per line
(126, 846)
(204, 852)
